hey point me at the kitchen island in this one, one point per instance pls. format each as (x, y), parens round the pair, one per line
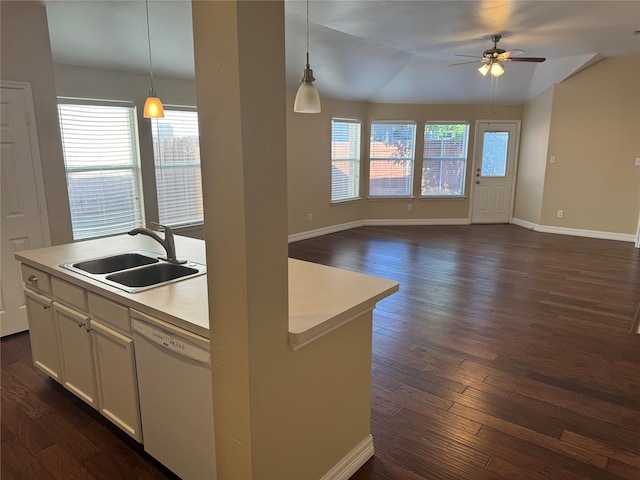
(329, 336)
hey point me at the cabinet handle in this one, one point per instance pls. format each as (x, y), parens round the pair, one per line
(32, 279)
(80, 324)
(88, 328)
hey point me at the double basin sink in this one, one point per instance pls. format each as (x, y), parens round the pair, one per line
(135, 271)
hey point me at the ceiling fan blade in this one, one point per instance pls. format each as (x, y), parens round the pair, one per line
(470, 56)
(514, 52)
(525, 59)
(464, 63)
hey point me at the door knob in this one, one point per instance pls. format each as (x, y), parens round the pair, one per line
(477, 182)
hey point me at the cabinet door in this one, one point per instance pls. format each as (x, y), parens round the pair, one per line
(42, 333)
(76, 353)
(116, 378)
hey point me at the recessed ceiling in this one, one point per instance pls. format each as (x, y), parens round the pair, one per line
(367, 50)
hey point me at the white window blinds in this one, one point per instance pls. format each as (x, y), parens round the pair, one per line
(345, 160)
(101, 159)
(391, 159)
(445, 159)
(176, 150)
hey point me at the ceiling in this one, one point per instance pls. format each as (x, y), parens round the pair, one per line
(371, 50)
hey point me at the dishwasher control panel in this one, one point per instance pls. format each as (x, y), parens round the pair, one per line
(171, 342)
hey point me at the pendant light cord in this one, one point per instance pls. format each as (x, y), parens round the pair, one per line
(146, 4)
(307, 33)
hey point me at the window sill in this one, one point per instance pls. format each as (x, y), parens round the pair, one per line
(346, 200)
(443, 197)
(391, 197)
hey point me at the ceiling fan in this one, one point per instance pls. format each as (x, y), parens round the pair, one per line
(493, 58)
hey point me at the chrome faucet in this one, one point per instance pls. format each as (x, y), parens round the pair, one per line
(167, 243)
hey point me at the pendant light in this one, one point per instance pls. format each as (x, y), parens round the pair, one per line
(153, 106)
(307, 99)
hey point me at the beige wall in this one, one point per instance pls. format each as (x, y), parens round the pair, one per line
(534, 140)
(456, 209)
(309, 166)
(309, 159)
(93, 83)
(595, 137)
(26, 57)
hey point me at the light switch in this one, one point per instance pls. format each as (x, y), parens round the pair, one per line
(637, 161)
(552, 159)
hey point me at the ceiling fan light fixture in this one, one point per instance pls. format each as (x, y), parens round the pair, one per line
(484, 69)
(152, 106)
(307, 99)
(496, 69)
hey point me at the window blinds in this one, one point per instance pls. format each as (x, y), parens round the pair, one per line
(391, 158)
(101, 159)
(345, 160)
(176, 149)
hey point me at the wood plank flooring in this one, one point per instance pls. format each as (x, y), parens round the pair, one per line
(505, 355)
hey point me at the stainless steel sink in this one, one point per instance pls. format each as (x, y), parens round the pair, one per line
(135, 271)
(152, 274)
(117, 262)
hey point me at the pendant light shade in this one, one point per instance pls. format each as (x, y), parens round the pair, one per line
(153, 106)
(484, 69)
(307, 99)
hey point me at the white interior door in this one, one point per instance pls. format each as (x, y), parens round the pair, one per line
(494, 171)
(23, 222)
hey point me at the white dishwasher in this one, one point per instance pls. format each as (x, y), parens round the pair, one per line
(174, 384)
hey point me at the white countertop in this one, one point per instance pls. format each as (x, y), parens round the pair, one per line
(321, 298)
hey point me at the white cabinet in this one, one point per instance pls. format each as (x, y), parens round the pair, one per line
(116, 378)
(76, 349)
(83, 341)
(43, 334)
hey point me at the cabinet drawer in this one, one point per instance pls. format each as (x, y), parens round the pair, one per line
(109, 312)
(36, 279)
(69, 294)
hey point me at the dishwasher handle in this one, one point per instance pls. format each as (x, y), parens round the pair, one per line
(168, 341)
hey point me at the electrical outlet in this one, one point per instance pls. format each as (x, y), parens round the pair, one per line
(560, 214)
(409, 207)
(310, 217)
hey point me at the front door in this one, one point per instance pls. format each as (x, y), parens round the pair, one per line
(23, 222)
(494, 171)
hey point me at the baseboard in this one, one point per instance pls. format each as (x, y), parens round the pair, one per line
(296, 237)
(351, 462)
(576, 232)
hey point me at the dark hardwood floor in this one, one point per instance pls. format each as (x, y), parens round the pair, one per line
(505, 355)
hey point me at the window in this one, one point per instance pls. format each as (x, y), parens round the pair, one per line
(176, 149)
(391, 154)
(345, 160)
(100, 145)
(445, 158)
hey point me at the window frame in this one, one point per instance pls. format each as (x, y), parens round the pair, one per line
(357, 161)
(138, 213)
(441, 159)
(410, 159)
